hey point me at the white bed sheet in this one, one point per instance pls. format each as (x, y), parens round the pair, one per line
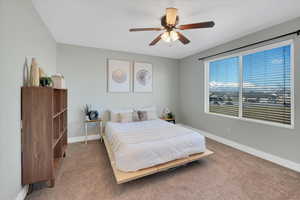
(138, 145)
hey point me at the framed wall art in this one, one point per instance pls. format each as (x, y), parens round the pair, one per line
(118, 73)
(143, 77)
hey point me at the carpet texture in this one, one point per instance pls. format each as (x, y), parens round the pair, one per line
(228, 174)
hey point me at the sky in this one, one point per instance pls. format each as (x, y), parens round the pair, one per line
(265, 70)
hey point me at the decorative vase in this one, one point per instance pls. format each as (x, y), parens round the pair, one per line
(93, 115)
(26, 73)
(34, 73)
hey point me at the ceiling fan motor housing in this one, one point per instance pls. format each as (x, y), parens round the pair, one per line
(168, 27)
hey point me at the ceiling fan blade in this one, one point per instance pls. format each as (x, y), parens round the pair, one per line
(197, 25)
(145, 29)
(183, 39)
(171, 14)
(155, 40)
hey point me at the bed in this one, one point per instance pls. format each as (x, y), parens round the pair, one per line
(138, 149)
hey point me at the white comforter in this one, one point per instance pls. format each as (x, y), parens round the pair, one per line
(138, 145)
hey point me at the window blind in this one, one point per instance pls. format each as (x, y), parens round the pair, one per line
(224, 86)
(261, 91)
(267, 85)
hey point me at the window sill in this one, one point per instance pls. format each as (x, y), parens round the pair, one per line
(253, 120)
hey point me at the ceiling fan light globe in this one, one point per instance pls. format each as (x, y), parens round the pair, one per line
(174, 35)
(166, 37)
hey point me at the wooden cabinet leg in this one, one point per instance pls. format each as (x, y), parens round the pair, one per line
(30, 189)
(52, 183)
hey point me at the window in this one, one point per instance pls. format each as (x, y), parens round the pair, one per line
(224, 86)
(254, 85)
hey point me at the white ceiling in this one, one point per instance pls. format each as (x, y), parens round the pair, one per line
(105, 23)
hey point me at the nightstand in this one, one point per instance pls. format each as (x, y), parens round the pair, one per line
(99, 124)
(172, 120)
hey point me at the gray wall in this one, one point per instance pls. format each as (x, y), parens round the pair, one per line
(22, 33)
(281, 142)
(85, 74)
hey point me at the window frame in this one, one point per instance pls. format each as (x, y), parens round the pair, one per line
(240, 55)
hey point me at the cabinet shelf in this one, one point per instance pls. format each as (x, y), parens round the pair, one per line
(59, 113)
(56, 141)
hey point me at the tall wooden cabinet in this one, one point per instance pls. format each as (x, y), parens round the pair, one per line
(44, 133)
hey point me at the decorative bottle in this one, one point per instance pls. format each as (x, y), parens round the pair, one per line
(34, 74)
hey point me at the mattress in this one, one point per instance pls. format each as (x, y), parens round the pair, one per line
(139, 145)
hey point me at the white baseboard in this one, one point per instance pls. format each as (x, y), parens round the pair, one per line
(82, 138)
(266, 156)
(22, 194)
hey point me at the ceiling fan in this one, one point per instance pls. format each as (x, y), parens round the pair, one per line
(169, 24)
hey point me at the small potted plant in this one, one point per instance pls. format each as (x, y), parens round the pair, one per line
(87, 110)
(170, 115)
(45, 81)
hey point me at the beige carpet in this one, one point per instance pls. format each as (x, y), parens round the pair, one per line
(227, 175)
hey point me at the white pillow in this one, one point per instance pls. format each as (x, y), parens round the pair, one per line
(115, 114)
(151, 112)
(135, 116)
(151, 115)
(125, 117)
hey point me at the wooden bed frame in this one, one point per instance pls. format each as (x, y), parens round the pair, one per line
(123, 177)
